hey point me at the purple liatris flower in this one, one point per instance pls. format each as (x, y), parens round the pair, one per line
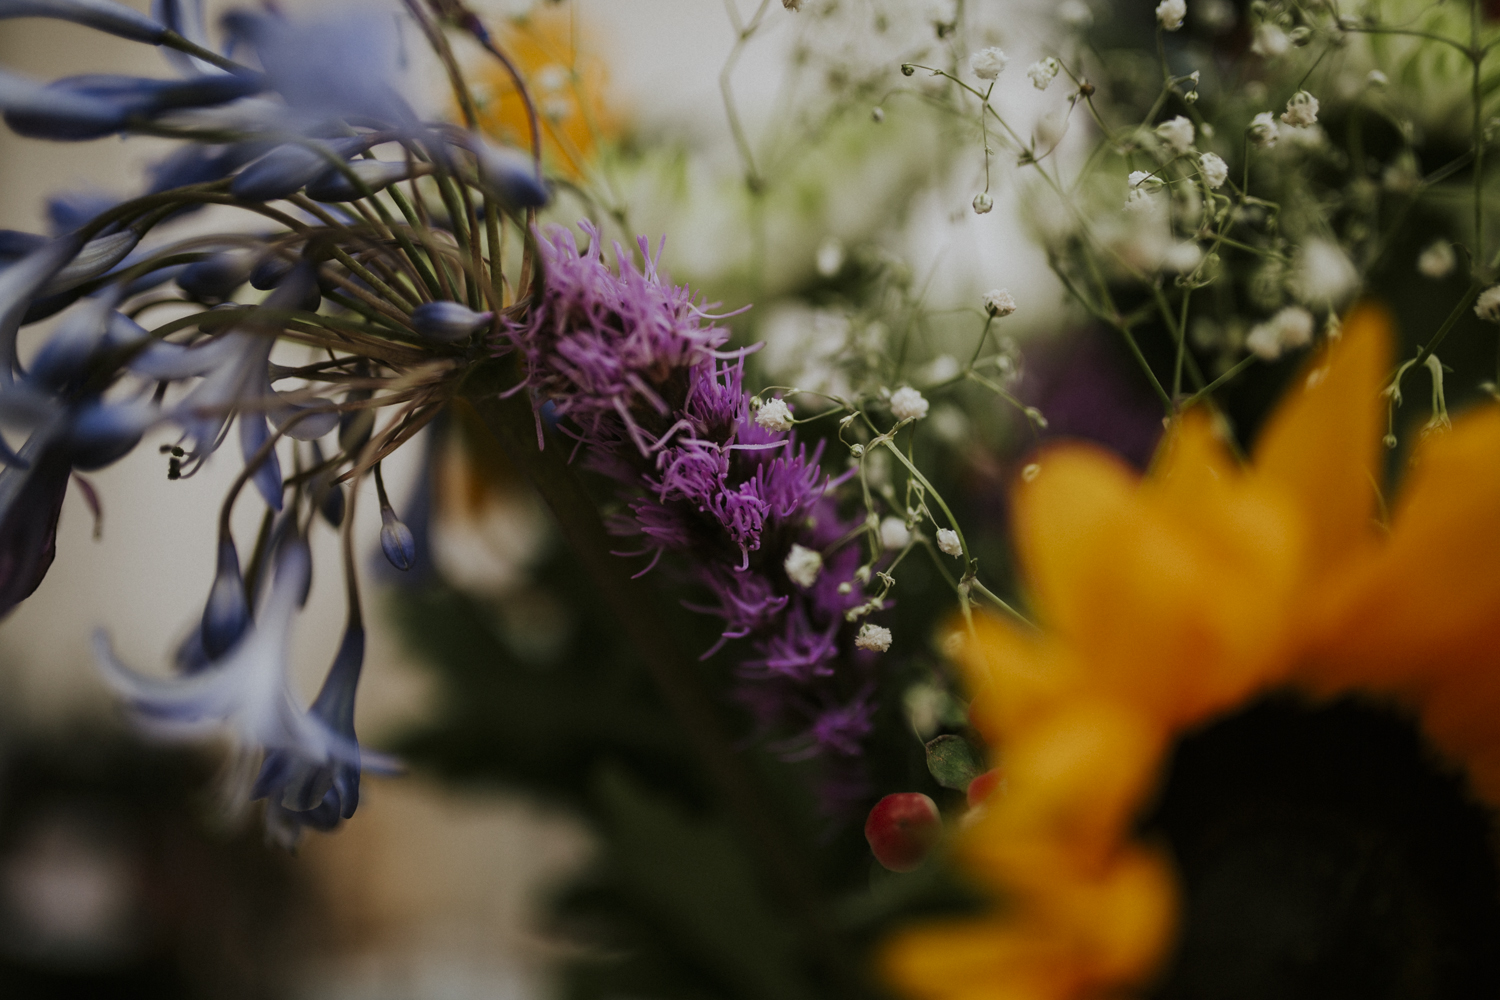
(637, 372)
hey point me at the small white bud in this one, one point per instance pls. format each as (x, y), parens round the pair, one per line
(908, 404)
(1043, 72)
(1487, 306)
(1377, 79)
(873, 637)
(830, 257)
(998, 302)
(1215, 171)
(1178, 134)
(1289, 329)
(802, 566)
(1437, 261)
(1301, 110)
(1169, 14)
(947, 542)
(877, 114)
(1030, 472)
(774, 415)
(983, 203)
(894, 533)
(987, 64)
(1263, 130)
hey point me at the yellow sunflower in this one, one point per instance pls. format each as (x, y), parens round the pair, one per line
(567, 80)
(1171, 602)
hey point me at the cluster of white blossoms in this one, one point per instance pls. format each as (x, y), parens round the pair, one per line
(1270, 41)
(1169, 14)
(1301, 110)
(998, 302)
(908, 404)
(988, 64)
(947, 542)
(1177, 134)
(1139, 186)
(1263, 130)
(1214, 170)
(802, 566)
(774, 415)
(1288, 330)
(873, 637)
(1043, 72)
(1487, 306)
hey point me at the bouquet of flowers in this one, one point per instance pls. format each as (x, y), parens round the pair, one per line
(894, 636)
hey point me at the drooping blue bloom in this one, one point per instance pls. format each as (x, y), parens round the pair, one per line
(305, 791)
(510, 175)
(216, 279)
(65, 110)
(247, 690)
(448, 322)
(102, 15)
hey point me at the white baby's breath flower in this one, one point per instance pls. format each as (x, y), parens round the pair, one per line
(802, 566)
(894, 533)
(1322, 274)
(998, 302)
(1075, 13)
(774, 415)
(873, 637)
(1043, 72)
(1178, 134)
(1169, 13)
(1487, 306)
(908, 404)
(947, 542)
(1183, 257)
(1270, 41)
(1263, 130)
(987, 64)
(1437, 261)
(1289, 330)
(1301, 110)
(792, 5)
(1215, 171)
(983, 203)
(1377, 79)
(1138, 177)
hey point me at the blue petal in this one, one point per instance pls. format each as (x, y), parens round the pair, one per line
(510, 175)
(128, 97)
(102, 433)
(226, 616)
(396, 541)
(217, 278)
(333, 186)
(267, 476)
(19, 283)
(103, 15)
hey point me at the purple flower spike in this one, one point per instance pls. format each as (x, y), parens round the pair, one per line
(634, 368)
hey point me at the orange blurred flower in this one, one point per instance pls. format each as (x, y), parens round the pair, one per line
(1169, 602)
(567, 81)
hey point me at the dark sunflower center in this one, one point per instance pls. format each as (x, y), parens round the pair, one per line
(1325, 853)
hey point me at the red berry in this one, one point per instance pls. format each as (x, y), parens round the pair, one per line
(983, 786)
(902, 828)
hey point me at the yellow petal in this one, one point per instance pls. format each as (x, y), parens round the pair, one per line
(1322, 444)
(1428, 606)
(987, 959)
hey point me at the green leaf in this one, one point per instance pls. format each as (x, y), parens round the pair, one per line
(953, 762)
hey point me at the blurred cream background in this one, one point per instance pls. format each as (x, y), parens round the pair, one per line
(431, 887)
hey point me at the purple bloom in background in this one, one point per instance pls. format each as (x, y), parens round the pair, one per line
(636, 372)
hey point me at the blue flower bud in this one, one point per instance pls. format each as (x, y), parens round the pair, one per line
(269, 271)
(510, 176)
(448, 322)
(15, 244)
(103, 15)
(396, 540)
(62, 359)
(46, 113)
(215, 280)
(129, 97)
(333, 185)
(284, 170)
(226, 616)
